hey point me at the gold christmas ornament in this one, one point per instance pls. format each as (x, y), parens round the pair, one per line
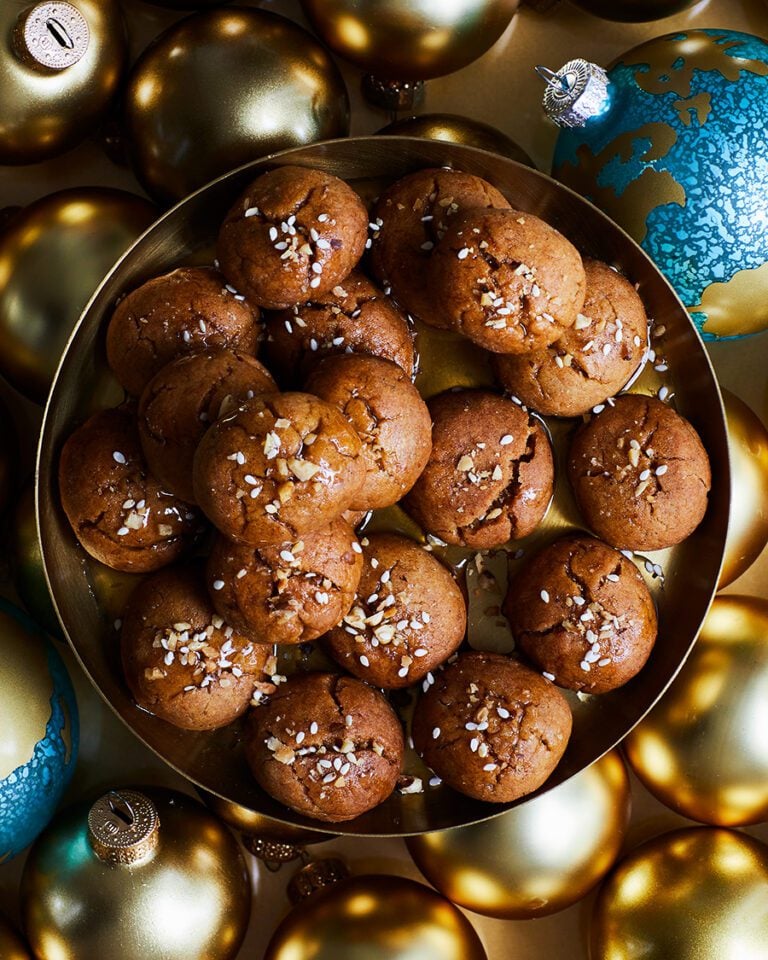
(748, 522)
(452, 128)
(634, 11)
(53, 255)
(138, 874)
(537, 858)
(257, 827)
(701, 750)
(408, 40)
(693, 894)
(261, 83)
(27, 562)
(375, 918)
(11, 945)
(60, 64)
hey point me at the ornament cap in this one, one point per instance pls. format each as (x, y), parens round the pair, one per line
(316, 876)
(123, 827)
(575, 93)
(51, 36)
(392, 95)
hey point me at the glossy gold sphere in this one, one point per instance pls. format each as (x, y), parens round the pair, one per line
(11, 944)
(253, 824)
(224, 87)
(748, 521)
(537, 858)
(694, 894)
(53, 255)
(634, 11)
(190, 899)
(451, 128)
(702, 749)
(45, 111)
(375, 918)
(27, 562)
(410, 39)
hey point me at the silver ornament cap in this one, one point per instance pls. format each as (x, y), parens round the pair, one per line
(52, 36)
(576, 93)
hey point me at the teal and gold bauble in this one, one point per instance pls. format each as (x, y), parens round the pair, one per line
(671, 141)
(38, 731)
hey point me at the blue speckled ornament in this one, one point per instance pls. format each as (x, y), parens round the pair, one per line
(678, 156)
(38, 730)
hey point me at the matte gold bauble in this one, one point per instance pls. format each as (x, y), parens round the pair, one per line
(11, 945)
(27, 563)
(694, 894)
(410, 39)
(634, 11)
(702, 749)
(53, 255)
(748, 521)
(538, 858)
(224, 87)
(452, 128)
(137, 874)
(375, 918)
(60, 64)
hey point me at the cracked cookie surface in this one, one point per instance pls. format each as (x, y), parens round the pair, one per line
(490, 476)
(640, 474)
(491, 728)
(581, 612)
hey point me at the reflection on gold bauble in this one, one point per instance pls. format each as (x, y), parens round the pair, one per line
(43, 109)
(702, 749)
(452, 128)
(410, 39)
(53, 255)
(8, 456)
(694, 894)
(254, 824)
(538, 858)
(11, 946)
(748, 522)
(224, 87)
(103, 885)
(27, 563)
(634, 11)
(375, 918)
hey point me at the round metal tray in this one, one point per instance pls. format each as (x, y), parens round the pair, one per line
(88, 597)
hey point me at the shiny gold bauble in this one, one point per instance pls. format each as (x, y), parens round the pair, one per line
(703, 749)
(634, 11)
(693, 894)
(410, 39)
(11, 945)
(375, 918)
(451, 128)
(178, 890)
(53, 255)
(538, 858)
(60, 65)
(256, 825)
(27, 562)
(8, 456)
(224, 87)
(748, 521)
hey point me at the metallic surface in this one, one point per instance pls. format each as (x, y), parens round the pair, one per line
(410, 39)
(27, 562)
(11, 944)
(53, 255)
(539, 858)
(52, 35)
(256, 825)
(375, 918)
(748, 525)
(224, 87)
(691, 569)
(123, 827)
(451, 128)
(9, 455)
(694, 894)
(190, 900)
(634, 11)
(44, 112)
(702, 750)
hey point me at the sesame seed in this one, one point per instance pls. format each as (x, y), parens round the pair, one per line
(251, 212)
(604, 662)
(663, 393)
(427, 245)
(549, 676)
(218, 584)
(313, 728)
(314, 282)
(122, 531)
(660, 471)
(503, 713)
(613, 577)
(421, 652)
(364, 661)
(356, 547)
(118, 457)
(544, 596)
(506, 439)
(470, 725)
(645, 475)
(474, 743)
(436, 733)
(489, 766)
(599, 408)
(463, 253)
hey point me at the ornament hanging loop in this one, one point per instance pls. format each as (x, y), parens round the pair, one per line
(555, 79)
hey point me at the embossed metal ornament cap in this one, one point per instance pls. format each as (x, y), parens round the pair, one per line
(316, 876)
(123, 827)
(576, 93)
(52, 36)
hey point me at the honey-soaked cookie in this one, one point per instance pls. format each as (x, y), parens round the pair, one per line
(293, 234)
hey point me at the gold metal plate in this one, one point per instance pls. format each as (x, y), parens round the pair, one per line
(88, 597)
